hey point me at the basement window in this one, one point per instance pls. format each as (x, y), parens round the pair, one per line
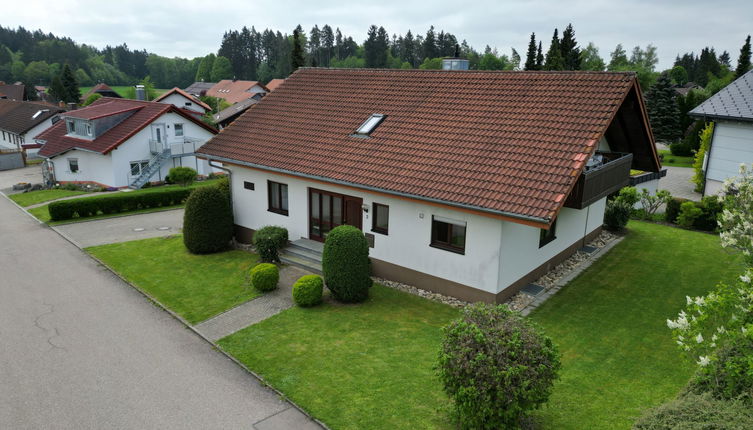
(546, 236)
(370, 124)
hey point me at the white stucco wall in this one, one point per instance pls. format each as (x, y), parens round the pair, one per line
(9, 140)
(92, 167)
(497, 252)
(34, 132)
(732, 145)
(179, 101)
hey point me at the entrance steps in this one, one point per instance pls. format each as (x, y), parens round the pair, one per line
(304, 253)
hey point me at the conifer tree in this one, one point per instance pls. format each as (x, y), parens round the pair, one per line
(296, 55)
(531, 54)
(539, 58)
(430, 44)
(554, 55)
(569, 49)
(663, 112)
(743, 61)
(71, 93)
(56, 90)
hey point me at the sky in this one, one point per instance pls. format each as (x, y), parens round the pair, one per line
(193, 28)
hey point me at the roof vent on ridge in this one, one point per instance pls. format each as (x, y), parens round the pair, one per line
(370, 124)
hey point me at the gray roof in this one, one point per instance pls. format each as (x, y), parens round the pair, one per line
(735, 101)
(20, 117)
(199, 88)
(234, 110)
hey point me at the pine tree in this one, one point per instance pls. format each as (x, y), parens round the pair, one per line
(531, 54)
(338, 44)
(554, 59)
(743, 61)
(70, 86)
(663, 112)
(296, 55)
(725, 59)
(539, 58)
(430, 44)
(315, 43)
(408, 50)
(30, 93)
(328, 44)
(375, 47)
(569, 49)
(56, 90)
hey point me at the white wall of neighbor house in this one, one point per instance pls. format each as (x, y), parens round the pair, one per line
(34, 131)
(9, 140)
(519, 245)
(732, 145)
(180, 101)
(92, 167)
(497, 253)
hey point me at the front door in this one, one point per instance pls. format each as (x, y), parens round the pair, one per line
(158, 134)
(328, 210)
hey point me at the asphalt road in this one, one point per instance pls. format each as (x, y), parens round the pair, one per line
(124, 228)
(80, 349)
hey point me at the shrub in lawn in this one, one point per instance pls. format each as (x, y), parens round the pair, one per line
(681, 149)
(182, 175)
(265, 276)
(710, 207)
(496, 366)
(616, 215)
(650, 203)
(689, 212)
(673, 208)
(345, 264)
(730, 374)
(307, 290)
(628, 195)
(269, 240)
(207, 221)
(698, 412)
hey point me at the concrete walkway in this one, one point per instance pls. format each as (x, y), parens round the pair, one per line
(82, 349)
(123, 228)
(253, 311)
(678, 183)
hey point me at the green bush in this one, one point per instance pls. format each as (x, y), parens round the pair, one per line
(496, 366)
(710, 207)
(116, 203)
(689, 212)
(224, 185)
(681, 149)
(729, 375)
(616, 215)
(307, 290)
(207, 221)
(265, 276)
(673, 208)
(628, 195)
(269, 240)
(345, 263)
(182, 175)
(694, 412)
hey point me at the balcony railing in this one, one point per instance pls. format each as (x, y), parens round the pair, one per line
(181, 147)
(604, 174)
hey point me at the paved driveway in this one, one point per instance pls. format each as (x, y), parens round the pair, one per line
(678, 182)
(31, 174)
(80, 349)
(123, 229)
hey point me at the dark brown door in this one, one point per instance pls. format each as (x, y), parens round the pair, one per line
(328, 210)
(353, 211)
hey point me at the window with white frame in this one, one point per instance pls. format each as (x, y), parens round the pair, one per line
(73, 165)
(137, 167)
(70, 125)
(88, 129)
(178, 130)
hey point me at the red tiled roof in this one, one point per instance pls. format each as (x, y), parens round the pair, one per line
(143, 114)
(184, 94)
(233, 91)
(507, 143)
(274, 83)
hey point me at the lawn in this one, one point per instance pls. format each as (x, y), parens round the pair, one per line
(43, 214)
(122, 90)
(675, 160)
(34, 197)
(365, 366)
(196, 287)
(610, 325)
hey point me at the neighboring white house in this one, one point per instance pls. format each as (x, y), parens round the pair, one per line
(123, 143)
(183, 100)
(21, 122)
(471, 184)
(731, 110)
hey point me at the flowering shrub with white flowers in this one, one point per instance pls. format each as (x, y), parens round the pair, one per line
(736, 221)
(716, 332)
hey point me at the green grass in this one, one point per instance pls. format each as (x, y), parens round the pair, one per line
(365, 366)
(196, 287)
(122, 90)
(34, 197)
(610, 325)
(43, 214)
(675, 160)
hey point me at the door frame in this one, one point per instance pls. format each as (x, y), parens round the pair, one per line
(162, 132)
(344, 198)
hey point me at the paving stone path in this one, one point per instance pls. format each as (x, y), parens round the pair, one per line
(255, 310)
(678, 183)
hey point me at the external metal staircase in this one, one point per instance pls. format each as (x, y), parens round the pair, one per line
(155, 164)
(304, 253)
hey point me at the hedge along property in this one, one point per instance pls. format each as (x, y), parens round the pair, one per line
(123, 143)
(470, 184)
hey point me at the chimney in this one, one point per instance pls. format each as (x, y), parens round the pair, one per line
(140, 93)
(72, 106)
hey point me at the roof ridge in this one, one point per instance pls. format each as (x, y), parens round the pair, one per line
(542, 72)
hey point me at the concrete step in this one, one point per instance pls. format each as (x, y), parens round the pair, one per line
(302, 262)
(305, 253)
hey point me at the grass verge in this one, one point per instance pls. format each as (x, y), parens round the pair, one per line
(675, 160)
(196, 287)
(41, 196)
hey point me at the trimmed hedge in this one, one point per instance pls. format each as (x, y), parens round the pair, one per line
(617, 214)
(207, 221)
(710, 207)
(673, 208)
(116, 203)
(182, 175)
(345, 263)
(269, 240)
(307, 290)
(265, 276)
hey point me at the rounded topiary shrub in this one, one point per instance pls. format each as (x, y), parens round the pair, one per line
(496, 365)
(207, 221)
(616, 215)
(269, 240)
(307, 290)
(698, 412)
(182, 175)
(265, 276)
(345, 264)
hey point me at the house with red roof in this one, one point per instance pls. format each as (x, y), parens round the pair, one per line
(184, 100)
(234, 90)
(467, 183)
(123, 143)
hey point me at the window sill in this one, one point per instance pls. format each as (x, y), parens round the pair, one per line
(383, 232)
(278, 212)
(447, 248)
(541, 245)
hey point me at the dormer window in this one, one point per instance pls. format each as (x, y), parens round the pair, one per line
(88, 128)
(370, 124)
(70, 126)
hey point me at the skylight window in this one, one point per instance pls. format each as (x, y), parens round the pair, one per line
(370, 124)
